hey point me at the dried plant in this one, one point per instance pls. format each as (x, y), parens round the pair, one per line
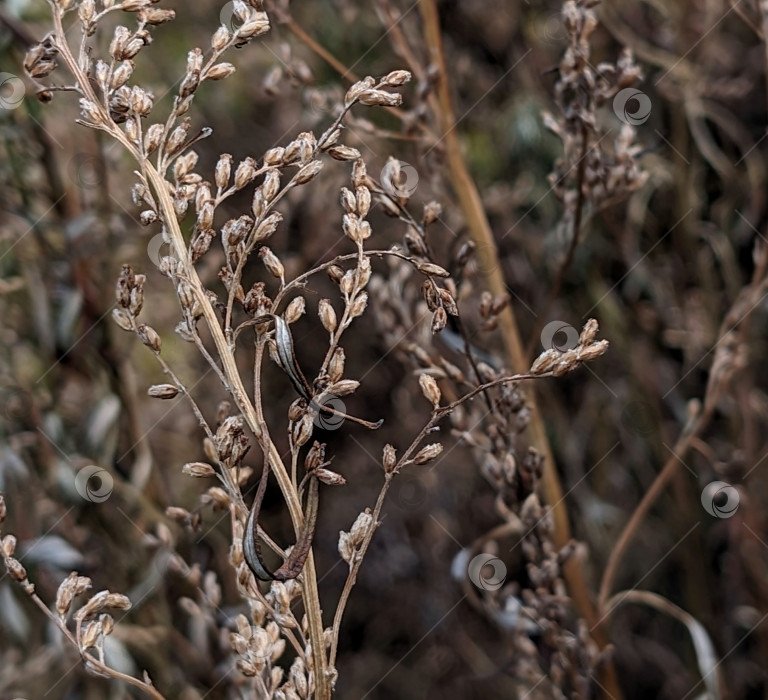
(287, 322)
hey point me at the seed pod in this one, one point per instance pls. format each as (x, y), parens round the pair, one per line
(439, 319)
(363, 195)
(328, 477)
(223, 170)
(396, 78)
(348, 201)
(430, 389)
(271, 185)
(358, 307)
(308, 172)
(198, 470)
(220, 38)
(335, 273)
(431, 296)
(274, 156)
(272, 262)
(428, 453)
(343, 387)
(220, 71)
(388, 458)
(162, 391)
(429, 268)
(295, 310)
(343, 153)
(336, 365)
(245, 173)
(327, 315)
(149, 337)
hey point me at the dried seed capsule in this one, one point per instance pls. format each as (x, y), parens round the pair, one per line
(439, 319)
(430, 389)
(336, 365)
(272, 262)
(428, 453)
(327, 315)
(223, 170)
(163, 391)
(388, 458)
(295, 310)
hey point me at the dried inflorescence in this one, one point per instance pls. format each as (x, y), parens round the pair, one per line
(598, 165)
(420, 294)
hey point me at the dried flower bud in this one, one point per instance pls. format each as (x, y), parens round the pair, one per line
(429, 268)
(295, 310)
(328, 477)
(396, 78)
(220, 38)
(335, 273)
(357, 88)
(358, 307)
(223, 170)
(8, 545)
(343, 387)
(428, 453)
(15, 569)
(327, 315)
(198, 469)
(430, 389)
(363, 195)
(439, 319)
(245, 173)
(348, 201)
(308, 172)
(380, 98)
(388, 458)
(302, 430)
(220, 71)
(162, 391)
(271, 185)
(336, 365)
(589, 332)
(149, 337)
(432, 211)
(344, 153)
(272, 263)
(123, 319)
